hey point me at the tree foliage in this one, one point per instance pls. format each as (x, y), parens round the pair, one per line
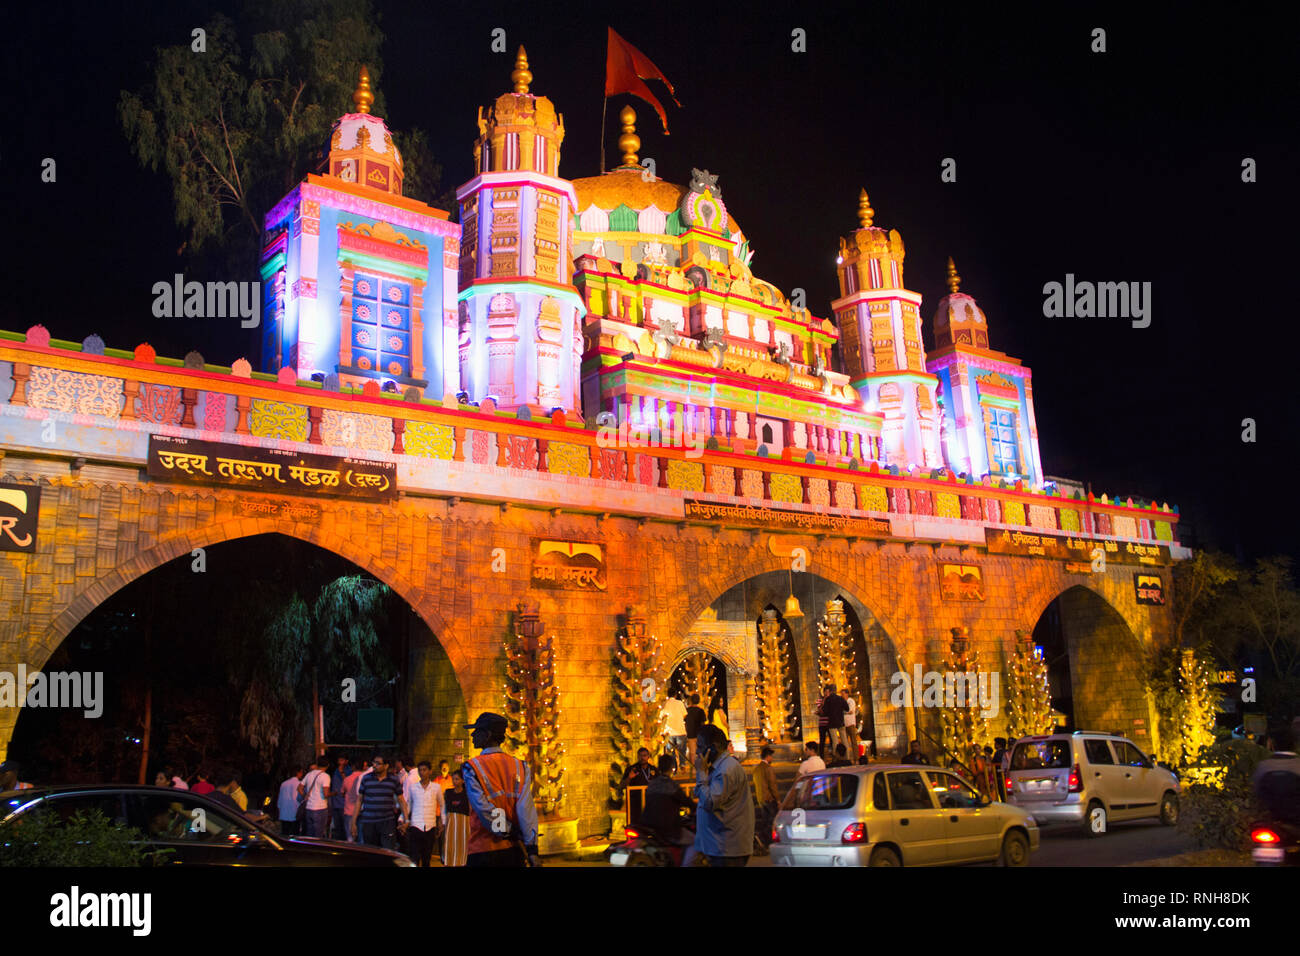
(235, 127)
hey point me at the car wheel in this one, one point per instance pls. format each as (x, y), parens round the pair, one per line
(1169, 809)
(884, 856)
(639, 859)
(1015, 849)
(1094, 821)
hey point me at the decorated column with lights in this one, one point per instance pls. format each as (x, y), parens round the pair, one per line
(1199, 704)
(964, 727)
(774, 689)
(639, 695)
(1029, 696)
(533, 709)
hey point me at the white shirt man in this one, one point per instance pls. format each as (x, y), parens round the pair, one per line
(675, 712)
(851, 715)
(425, 800)
(287, 805)
(812, 764)
(315, 789)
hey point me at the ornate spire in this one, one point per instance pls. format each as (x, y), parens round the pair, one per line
(954, 280)
(363, 97)
(521, 76)
(865, 212)
(629, 142)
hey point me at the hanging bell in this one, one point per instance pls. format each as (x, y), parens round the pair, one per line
(792, 608)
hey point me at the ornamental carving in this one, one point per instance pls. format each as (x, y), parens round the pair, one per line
(479, 447)
(356, 431)
(1013, 512)
(566, 458)
(215, 412)
(160, 404)
(428, 440)
(819, 492)
(873, 498)
(521, 452)
(384, 232)
(63, 391)
(685, 475)
(271, 419)
(787, 488)
(751, 484)
(722, 480)
(610, 465)
(844, 494)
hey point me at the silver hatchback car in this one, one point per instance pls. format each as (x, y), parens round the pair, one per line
(896, 815)
(1089, 779)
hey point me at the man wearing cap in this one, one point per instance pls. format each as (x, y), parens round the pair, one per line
(503, 826)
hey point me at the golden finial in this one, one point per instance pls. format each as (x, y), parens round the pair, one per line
(865, 212)
(521, 76)
(954, 280)
(629, 142)
(363, 97)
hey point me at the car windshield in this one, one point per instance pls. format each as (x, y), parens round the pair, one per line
(828, 791)
(1041, 755)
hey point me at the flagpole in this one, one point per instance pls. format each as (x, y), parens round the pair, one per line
(604, 108)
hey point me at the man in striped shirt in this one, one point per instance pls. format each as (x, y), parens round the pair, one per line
(381, 795)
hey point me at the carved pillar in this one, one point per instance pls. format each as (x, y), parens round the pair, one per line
(663, 472)
(399, 431)
(458, 439)
(502, 440)
(314, 417)
(130, 389)
(189, 398)
(241, 409)
(767, 485)
(541, 454)
(21, 373)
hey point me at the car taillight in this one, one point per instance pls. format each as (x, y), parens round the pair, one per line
(632, 833)
(854, 833)
(1076, 780)
(1264, 835)
(776, 837)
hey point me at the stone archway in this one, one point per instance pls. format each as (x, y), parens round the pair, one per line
(440, 663)
(1096, 663)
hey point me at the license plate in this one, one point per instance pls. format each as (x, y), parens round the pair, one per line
(618, 859)
(1269, 854)
(1042, 784)
(808, 833)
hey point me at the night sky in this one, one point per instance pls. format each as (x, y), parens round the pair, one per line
(1122, 166)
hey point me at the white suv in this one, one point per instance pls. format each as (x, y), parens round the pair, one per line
(1089, 779)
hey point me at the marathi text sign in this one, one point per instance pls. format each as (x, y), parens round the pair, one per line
(767, 517)
(1149, 589)
(568, 564)
(270, 469)
(20, 506)
(1071, 548)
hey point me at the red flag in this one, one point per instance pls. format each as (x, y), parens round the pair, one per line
(626, 67)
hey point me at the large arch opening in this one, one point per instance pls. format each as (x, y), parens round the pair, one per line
(1094, 666)
(730, 628)
(188, 663)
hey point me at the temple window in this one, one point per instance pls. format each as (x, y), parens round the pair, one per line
(1006, 454)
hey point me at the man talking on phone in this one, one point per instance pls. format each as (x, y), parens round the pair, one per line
(724, 822)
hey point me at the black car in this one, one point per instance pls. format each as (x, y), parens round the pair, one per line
(199, 831)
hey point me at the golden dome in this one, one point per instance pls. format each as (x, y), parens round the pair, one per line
(626, 186)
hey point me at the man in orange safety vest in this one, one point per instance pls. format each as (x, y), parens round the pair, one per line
(503, 824)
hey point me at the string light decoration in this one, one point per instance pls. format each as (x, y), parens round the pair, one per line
(533, 710)
(836, 662)
(1029, 695)
(964, 727)
(1199, 703)
(698, 678)
(775, 690)
(639, 694)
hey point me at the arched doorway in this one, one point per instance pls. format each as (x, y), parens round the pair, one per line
(729, 628)
(1095, 666)
(178, 647)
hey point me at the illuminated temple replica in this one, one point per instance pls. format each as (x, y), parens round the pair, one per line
(628, 295)
(578, 412)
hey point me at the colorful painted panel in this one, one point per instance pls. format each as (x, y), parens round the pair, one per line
(350, 430)
(946, 505)
(970, 507)
(923, 502)
(686, 475)
(844, 494)
(961, 582)
(215, 411)
(62, 391)
(566, 458)
(428, 440)
(1070, 520)
(898, 501)
(1123, 526)
(479, 444)
(786, 488)
(1164, 531)
(873, 498)
(160, 404)
(1013, 512)
(1103, 523)
(751, 484)
(992, 510)
(645, 469)
(1042, 516)
(722, 480)
(270, 419)
(819, 492)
